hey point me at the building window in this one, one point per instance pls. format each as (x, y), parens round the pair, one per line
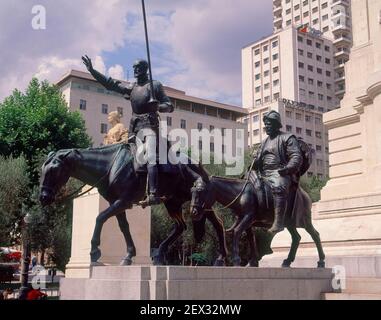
(299, 130)
(319, 162)
(211, 128)
(310, 81)
(305, 14)
(275, 56)
(314, 10)
(266, 61)
(257, 64)
(301, 65)
(315, 21)
(319, 70)
(288, 114)
(82, 104)
(321, 109)
(318, 45)
(318, 134)
(317, 120)
(302, 92)
(324, 5)
(265, 48)
(257, 76)
(301, 78)
(325, 17)
(288, 22)
(266, 73)
(258, 102)
(266, 86)
(308, 118)
(120, 111)
(297, 18)
(298, 116)
(318, 58)
(288, 128)
(329, 86)
(104, 108)
(318, 148)
(320, 83)
(169, 121)
(183, 124)
(311, 94)
(104, 128)
(257, 52)
(309, 42)
(301, 52)
(276, 96)
(308, 132)
(309, 55)
(310, 68)
(328, 73)
(325, 29)
(267, 99)
(327, 48)
(300, 39)
(275, 69)
(256, 132)
(320, 97)
(327, 60)
(257, 89)
(275, 44)
(256, 118)
(276, 83)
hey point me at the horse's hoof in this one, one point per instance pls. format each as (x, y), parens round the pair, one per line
(321, 264)
(237, 262)
(254, 264)
(126, 262)
(286, 264)
(95, 255)
(219, 263)
(158, 261)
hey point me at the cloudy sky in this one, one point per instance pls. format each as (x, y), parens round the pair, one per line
(195, 44)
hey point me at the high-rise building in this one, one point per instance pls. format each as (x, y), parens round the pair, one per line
(291, 72)
(330, 17)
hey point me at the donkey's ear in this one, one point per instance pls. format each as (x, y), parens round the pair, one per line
(51, 154)
(63, 155)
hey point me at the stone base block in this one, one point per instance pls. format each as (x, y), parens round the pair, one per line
(198, 283)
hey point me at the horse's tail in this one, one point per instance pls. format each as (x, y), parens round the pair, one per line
(199, 229)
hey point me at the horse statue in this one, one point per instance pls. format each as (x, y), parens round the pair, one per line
(122, 182)
(253, 207)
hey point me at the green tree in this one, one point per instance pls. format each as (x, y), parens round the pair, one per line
(32, 124)
(14, 181)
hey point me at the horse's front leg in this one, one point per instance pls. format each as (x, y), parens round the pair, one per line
(125, 228)
(113, 210)
(253, 249)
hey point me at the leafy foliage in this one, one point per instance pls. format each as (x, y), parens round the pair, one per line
(31, 125)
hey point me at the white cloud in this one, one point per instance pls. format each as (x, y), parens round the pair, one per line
(195, 45)
(116, 72)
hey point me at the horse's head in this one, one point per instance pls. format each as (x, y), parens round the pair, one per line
(199, 194)
(55, 173)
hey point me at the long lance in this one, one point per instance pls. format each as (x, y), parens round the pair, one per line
(152, 98)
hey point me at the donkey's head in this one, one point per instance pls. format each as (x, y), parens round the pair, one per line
(199, 195)
(55, 173)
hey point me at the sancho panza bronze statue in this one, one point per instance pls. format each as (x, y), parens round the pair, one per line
(278, 162)
(144, 112)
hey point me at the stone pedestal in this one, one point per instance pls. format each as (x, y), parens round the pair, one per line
(198, 283)
(113, 246)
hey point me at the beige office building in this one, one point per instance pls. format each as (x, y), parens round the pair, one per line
(291, 72)
(84, 94)
(330, 17)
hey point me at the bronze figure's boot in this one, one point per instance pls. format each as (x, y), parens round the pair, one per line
(153, 177)
(280, 206)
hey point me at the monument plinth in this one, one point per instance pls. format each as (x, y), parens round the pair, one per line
(198, 283)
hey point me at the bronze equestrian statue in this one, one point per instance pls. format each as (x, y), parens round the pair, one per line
(113, 170)
(269, 197)
(144, 114)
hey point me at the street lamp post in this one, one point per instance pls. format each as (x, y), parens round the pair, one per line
(25, 258)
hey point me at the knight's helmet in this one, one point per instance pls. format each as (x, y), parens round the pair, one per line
(273, 116)
(142, 64)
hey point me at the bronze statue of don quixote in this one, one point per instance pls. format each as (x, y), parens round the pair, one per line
(267, 197)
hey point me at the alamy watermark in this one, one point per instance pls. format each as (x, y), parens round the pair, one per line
(339, 279)
(217, 146)
(39, 17)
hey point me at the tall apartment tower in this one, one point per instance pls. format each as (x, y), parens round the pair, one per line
(331, 17)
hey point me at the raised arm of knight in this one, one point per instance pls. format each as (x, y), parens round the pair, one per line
(108, 82)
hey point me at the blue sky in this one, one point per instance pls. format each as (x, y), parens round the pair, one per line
(195, 45)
